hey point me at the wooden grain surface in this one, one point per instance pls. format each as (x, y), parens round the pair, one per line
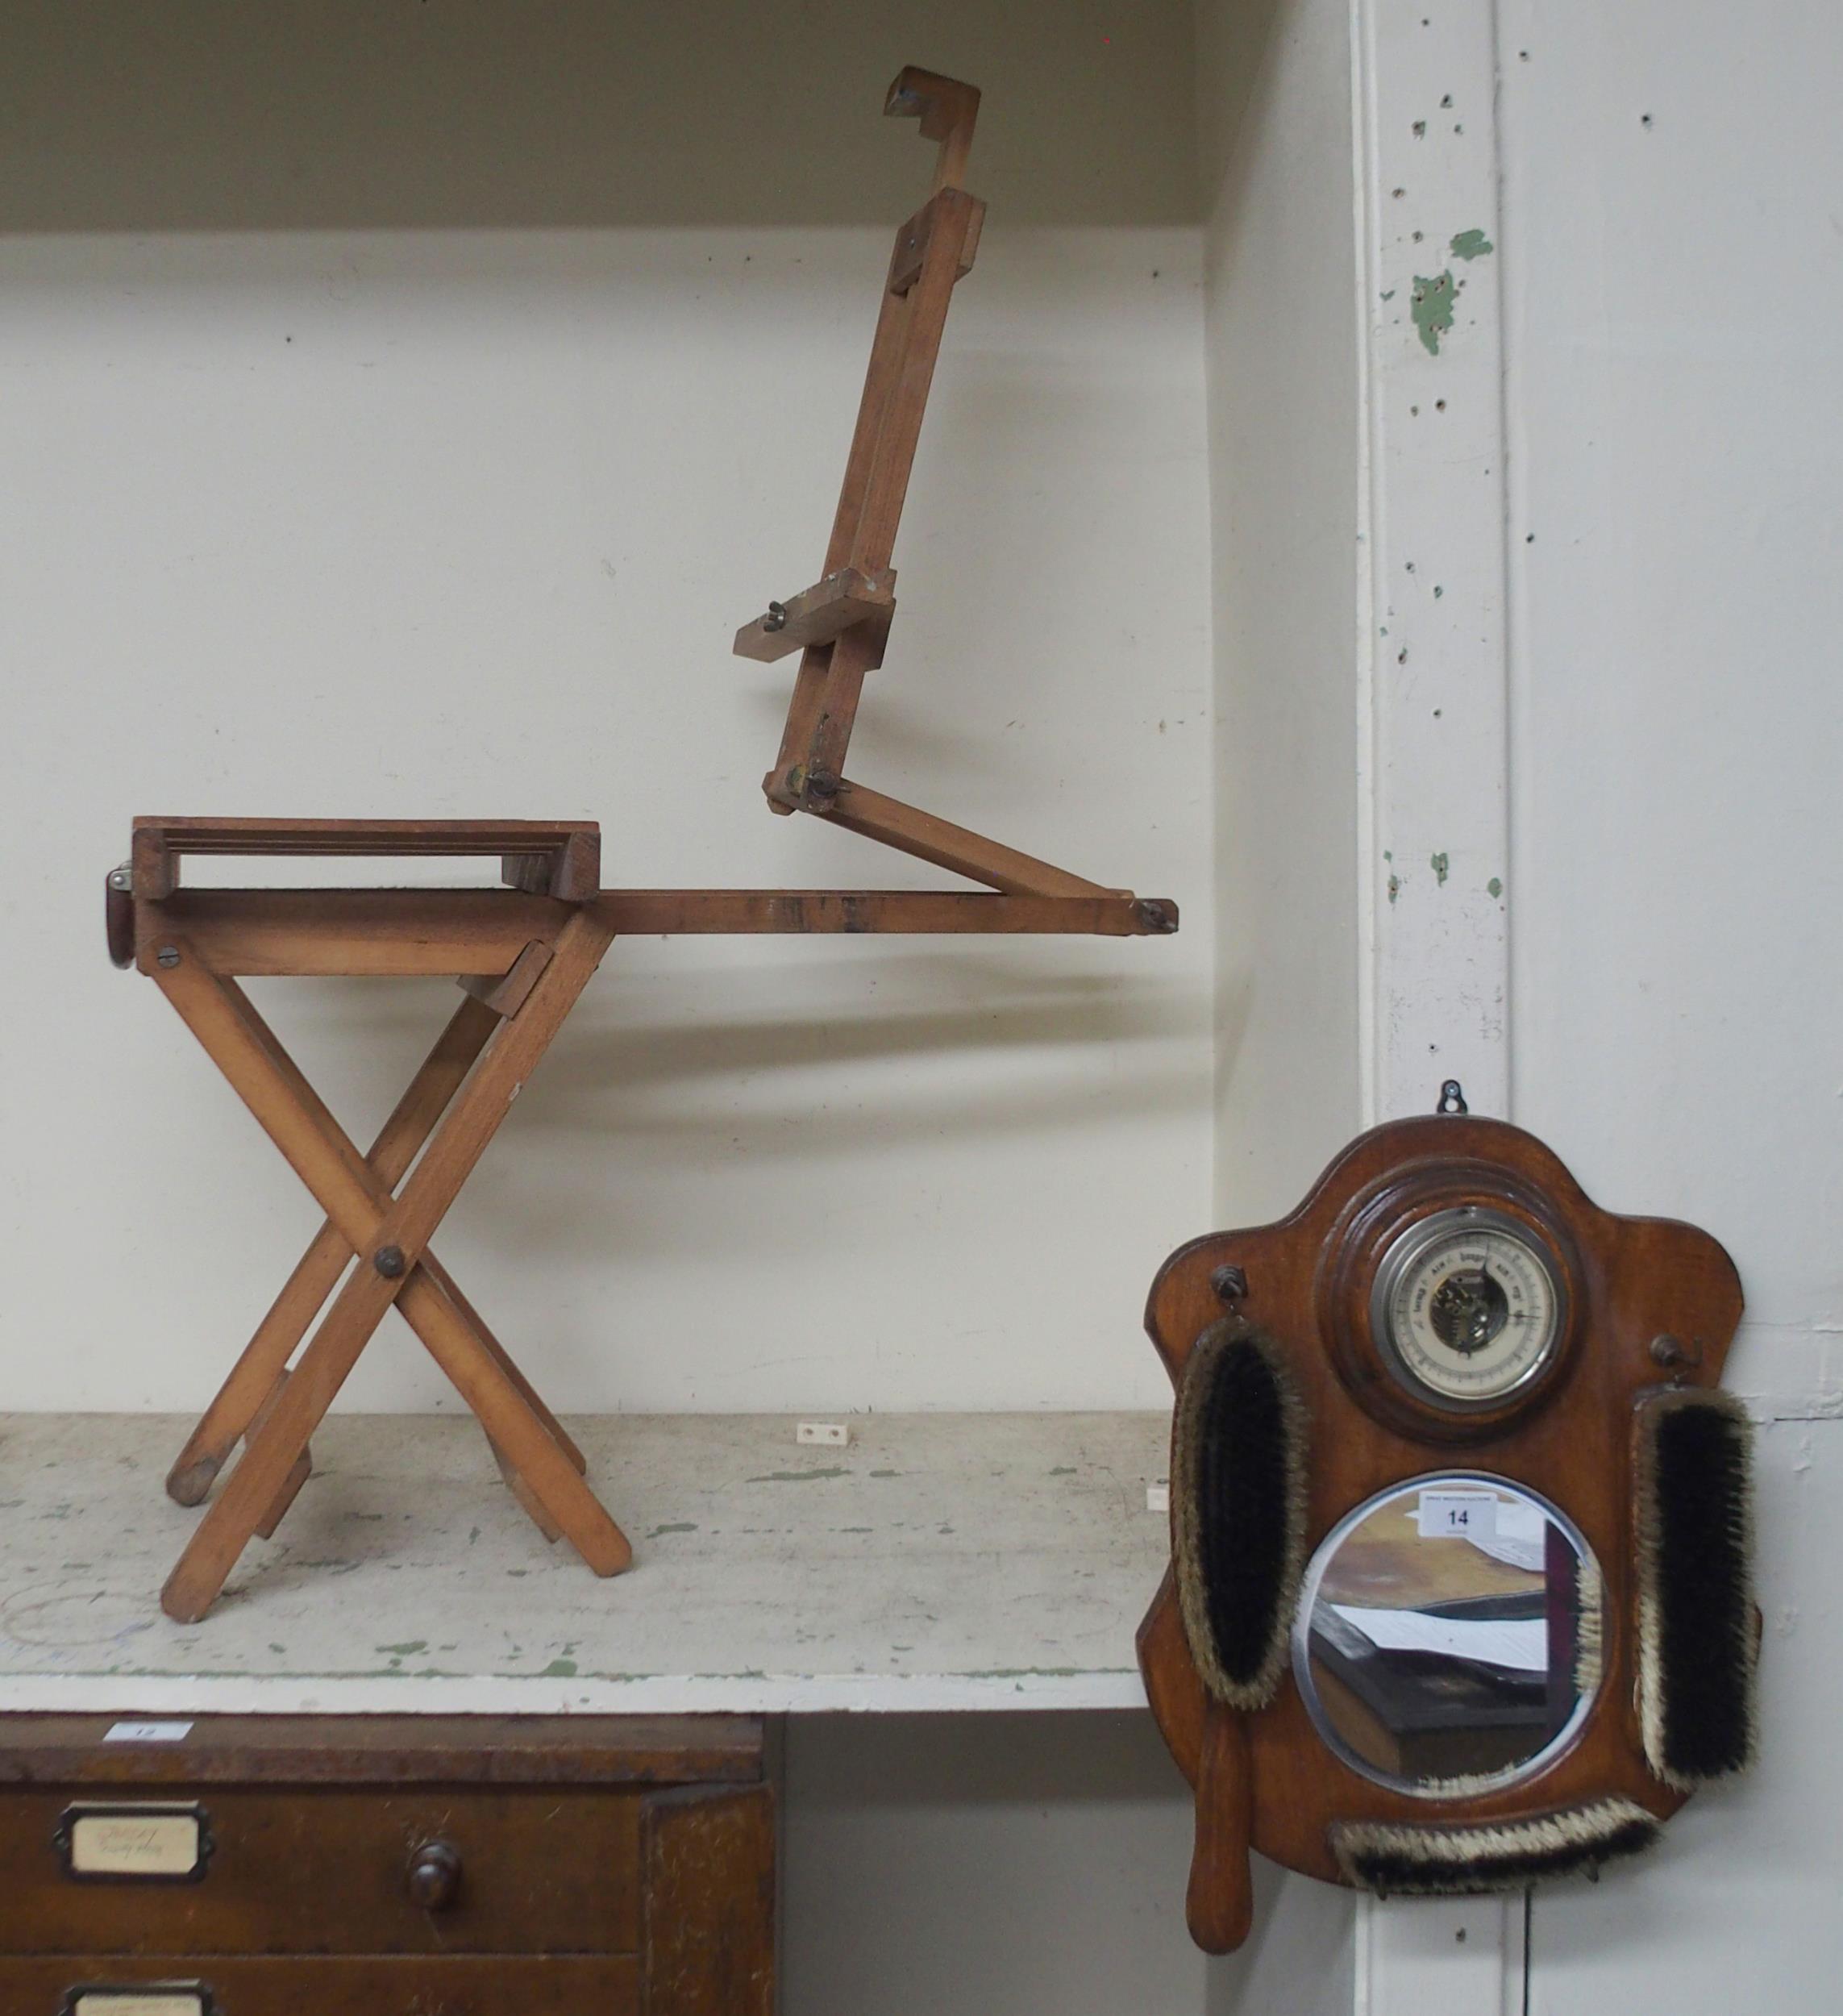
(912, 831)
(410, 934)
(559, 1985)
(709, 1895)
(324, 1869)
(395, 1751)
(627, 1862)
(1631, 1278)
(360, 837)
(384, 933)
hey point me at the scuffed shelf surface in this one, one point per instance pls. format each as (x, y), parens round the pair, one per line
(940, 1561)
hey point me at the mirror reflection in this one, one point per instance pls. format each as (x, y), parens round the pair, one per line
(1448, 1634)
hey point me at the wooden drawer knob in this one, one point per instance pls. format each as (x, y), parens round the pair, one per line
(435, 1875)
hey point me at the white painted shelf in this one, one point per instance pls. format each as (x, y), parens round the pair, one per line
(940, 1561)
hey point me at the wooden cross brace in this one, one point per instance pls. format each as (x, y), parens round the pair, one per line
(459, 1096)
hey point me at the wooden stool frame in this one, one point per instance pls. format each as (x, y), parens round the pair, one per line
(522, 955)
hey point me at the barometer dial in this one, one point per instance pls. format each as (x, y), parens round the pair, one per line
(1467, 1308)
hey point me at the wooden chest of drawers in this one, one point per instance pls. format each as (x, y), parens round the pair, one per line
(387, 1866)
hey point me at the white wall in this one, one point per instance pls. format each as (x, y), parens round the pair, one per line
(1274, 113)
(999, 1865)
(1274, 108)
(402, 414)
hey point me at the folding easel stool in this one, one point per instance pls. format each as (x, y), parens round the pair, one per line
(523, 951)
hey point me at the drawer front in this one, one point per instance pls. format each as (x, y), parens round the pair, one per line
(307, 1871)
(123, 1986)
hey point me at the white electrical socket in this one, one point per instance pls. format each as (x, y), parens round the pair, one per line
(825, 1435)
(1157, 1497)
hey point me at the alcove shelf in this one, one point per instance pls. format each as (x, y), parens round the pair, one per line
(937, 1561)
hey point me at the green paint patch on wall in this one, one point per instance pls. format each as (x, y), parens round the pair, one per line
(1471, 244)
(799, 1477)
(1432, 307)
(1494, 887)
(1439, 864)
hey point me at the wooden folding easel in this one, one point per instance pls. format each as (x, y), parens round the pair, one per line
(523, 953)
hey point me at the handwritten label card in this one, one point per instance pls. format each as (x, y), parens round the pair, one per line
(153, 1841)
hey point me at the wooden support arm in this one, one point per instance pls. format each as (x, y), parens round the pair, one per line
(403, 933)
(908, 913)
(506, 993)
(391, 933)
(946, 108)
(819, 614)
(841, 641)
(911, 831)
(912, 240)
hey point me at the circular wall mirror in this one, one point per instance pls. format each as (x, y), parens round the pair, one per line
(1448, 1634)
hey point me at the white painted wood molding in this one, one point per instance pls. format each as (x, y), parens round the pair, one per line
(1432, 730)
(1441, 1956)
(1432, 739)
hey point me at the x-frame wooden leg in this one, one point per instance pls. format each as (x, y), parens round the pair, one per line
(253, 1379)
(390, 1234)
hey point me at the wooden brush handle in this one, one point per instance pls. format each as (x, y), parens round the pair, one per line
(1219, 1906)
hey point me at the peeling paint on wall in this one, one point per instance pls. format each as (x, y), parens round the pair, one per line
(1433, 307)
(1436, 978)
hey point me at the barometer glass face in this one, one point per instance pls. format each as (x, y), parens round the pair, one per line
(1467, 1308)
(1448, 1634)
